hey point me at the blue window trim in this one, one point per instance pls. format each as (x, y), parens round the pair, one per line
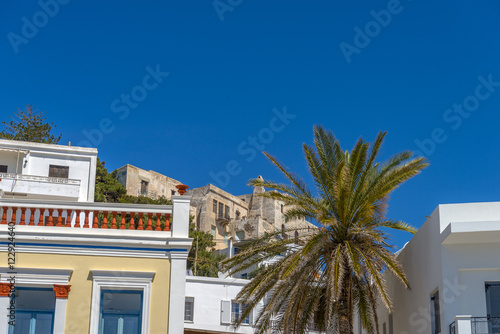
(140, 292)
(35, 311)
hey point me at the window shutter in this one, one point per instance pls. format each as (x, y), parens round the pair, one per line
(225, 309)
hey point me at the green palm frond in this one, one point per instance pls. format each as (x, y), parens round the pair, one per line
(336, 269)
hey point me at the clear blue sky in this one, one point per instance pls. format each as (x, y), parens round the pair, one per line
(356, 67)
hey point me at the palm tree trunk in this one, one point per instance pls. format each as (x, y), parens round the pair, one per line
(345, 313)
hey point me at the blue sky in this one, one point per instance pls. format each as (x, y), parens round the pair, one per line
(195, 89)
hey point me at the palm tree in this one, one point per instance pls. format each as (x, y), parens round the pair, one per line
(330, 273)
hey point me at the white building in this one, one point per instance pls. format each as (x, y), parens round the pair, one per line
(211, 307)
(453, 267)
(47, 171)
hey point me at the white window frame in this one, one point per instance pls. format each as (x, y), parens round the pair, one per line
(240, 312)
(120, 280)
(191, 300)
(41, 278)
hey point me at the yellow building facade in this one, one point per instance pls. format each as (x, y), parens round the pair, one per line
(92, 267)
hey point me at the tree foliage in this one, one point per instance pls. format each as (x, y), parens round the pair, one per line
(29, 125)
(207, 261)
(336, 269)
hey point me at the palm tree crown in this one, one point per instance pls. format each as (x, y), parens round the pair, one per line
(335, 270)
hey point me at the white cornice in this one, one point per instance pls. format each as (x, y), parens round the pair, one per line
(36, 276)
(122, 275)
(215, 280)
(42, 147)
(102, 242)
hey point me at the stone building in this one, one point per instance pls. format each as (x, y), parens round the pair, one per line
(222, 214)
(241, 217)
(140, 182)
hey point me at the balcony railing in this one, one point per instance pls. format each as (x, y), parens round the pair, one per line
(485, 325)
(86, 215)
(14, 176)
(275, 328)
(478, 325)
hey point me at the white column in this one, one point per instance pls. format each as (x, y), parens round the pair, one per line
(60, 315)
(463, 324)
(4, 314)
(180, 224)
(177, 293)
(230, 247)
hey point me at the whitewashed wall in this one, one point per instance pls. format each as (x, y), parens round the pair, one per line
(208, 294)
(35, 159)
(456, 251)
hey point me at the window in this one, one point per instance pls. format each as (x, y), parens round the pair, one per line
(172, 192)
(435, 313)
(215, 206)
(492, 299)
(281, 208)
(240, 235)
(221, 210)
(384, 329)
(226, 215)
(493, 305)
(225, 238)
(188, 309)
(120, 302)
(144, 187)
(120, 312)
(391, 324)
(238, 213)
(61, 172)
(212, 231)
(34, 311)
(244, 276)
(3, 169)
(237, 310)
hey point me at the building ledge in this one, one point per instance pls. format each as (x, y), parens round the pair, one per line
(471, 232)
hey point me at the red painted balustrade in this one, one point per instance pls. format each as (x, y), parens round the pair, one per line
(88, 215)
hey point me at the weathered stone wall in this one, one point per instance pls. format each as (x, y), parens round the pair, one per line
(158, 184)
(257, 214)
(202, 201)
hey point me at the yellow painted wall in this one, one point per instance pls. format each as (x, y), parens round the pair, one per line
(79, 300)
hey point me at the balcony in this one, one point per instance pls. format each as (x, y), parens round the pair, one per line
(22, 185)
(86, 228)
(275, 329)
(475, 325)
(86, 215)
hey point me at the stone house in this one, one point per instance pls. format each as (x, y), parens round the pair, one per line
(140, 182)
(239, 217)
